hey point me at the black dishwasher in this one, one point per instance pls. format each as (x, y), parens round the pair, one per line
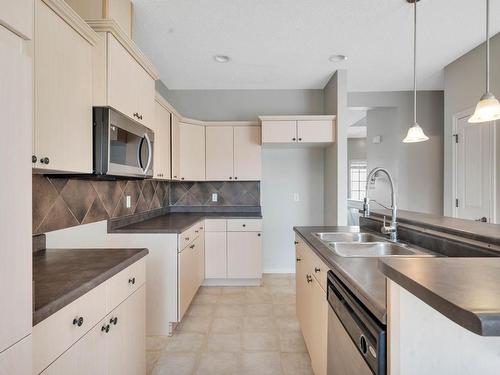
(356, 340)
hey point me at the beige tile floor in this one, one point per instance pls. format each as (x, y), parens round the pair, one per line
(235, 330)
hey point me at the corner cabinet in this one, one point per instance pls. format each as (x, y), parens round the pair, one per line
(188, 150)
(233, 153)
(123, 77)
(162, 140)
(312, 304)
(63, 48)
(298, 129)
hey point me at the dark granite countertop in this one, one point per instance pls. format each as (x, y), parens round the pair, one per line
(361, 275)
(466, 290)
(178, 222)
(62, 275)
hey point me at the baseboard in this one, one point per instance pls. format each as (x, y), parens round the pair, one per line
(279, 270)
(232, 282)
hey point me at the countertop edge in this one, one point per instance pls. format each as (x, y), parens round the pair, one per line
(465, 318)
(347, 280)
(46, 311)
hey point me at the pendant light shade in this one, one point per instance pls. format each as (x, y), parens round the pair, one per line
(415, 132)
(488, 108)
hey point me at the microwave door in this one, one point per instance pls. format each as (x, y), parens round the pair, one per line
(124, 149)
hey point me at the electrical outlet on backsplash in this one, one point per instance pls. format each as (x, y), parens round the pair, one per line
(65, 202)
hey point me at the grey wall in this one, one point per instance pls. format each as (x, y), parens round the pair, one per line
(417, 168)
(243, 105)
(464, 82)
(285, 172)
(335, 193)
(356, 149)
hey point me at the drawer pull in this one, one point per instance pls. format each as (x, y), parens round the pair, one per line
(309, 278)
(131, 281)
(196, 231)
(78, 321)
(316, 269)
(201, 228)
(298, 259)
(186, 238)
(105, 328)
(192, 246)
(244, 225)
(258, 234)
(113, 320)
(296, 242)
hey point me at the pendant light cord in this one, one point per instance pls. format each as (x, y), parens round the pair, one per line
(487, 45)
(415, 62)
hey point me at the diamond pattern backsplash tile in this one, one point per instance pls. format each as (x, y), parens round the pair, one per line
(61, 203)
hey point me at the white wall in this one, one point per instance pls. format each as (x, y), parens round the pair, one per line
(285, 172)
(464, 83)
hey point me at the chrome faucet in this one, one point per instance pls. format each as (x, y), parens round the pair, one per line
(392, 229)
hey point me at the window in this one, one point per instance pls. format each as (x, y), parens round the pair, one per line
(357, 180)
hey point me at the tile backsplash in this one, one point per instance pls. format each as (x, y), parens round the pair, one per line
(65, 202)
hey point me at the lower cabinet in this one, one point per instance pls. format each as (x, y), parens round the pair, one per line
(244, 258)
(312, 307)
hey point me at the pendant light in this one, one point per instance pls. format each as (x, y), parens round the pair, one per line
(488, 108)
(415, 132)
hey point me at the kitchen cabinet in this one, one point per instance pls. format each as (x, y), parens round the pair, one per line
(17, 359)
(18, 17)
(175, 146)
(162, 141)
(123, 78)
(244, 258)
(191, 152)
(312, 306)
(117, 10)
(63, 50)
(247, 153)
(215, 249)
(16, 232)
(219, 153)
(298, 129)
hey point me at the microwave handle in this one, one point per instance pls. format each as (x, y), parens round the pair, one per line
(150, 153)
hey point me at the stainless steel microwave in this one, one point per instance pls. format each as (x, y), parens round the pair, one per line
(122, 146)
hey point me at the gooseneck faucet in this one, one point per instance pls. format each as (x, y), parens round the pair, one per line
(392, 229)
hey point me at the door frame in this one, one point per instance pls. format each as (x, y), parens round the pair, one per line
(455, 118)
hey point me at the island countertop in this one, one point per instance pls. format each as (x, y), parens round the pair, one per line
(465, 290)
(62, 275)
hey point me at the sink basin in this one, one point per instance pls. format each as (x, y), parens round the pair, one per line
(348, 237)
(373, 249)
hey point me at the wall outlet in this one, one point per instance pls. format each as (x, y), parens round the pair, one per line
(296, 197)
(128, 201)
(215, 197)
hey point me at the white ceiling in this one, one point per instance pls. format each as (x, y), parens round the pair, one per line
(285, 44)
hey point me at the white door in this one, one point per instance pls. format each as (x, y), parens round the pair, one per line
(474, 170)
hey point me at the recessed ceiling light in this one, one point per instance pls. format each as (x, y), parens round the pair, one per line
(337, 58)
(222, 58)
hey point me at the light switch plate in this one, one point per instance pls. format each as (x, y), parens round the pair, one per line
(215, 197)
(128, 201)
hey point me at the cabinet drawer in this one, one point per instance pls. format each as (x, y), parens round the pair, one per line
(123, 284)
(52, 336)
(189, 235)
(215, 225)
(244, 225)
(313, 265)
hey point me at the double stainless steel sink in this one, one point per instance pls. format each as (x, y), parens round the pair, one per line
(367, 245)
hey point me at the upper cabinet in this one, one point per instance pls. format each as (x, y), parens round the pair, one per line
(233, 153)
(124, 79)
(298, 129)
(162, 140)
(118, 10)
(63, 50)
(188, 150)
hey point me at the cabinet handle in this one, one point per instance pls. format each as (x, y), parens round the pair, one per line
(201, 228)
(186, 238)
(192, 246)
(316, 269)
(196, 231)
(298, 259)
(258, 234)
(294, 139)
(300, 139)
(113, 321)
(34, 159)
(136, 114)
(182, 178)
(131, 280)
(296, 242)
(309, 278)
(78, 321)
(44, 160)
(105, 328)
(230, 178)
(244, 225)
(140, 117)
(236, 178)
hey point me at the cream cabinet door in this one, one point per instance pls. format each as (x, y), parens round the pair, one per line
(122, 78)
(316, 131)
(86, 357)
(176, 148)
(162, 142)
(247, 153)
(145, 96)
(15, 198)
(215, 255)
(17, 359)
(17, 16)
(192, 152)
(219, 153)
(318, 323)
(63, 94)
(200, 259)
(244, 258)
(126, 339)
(279, 131)
(187, 278)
